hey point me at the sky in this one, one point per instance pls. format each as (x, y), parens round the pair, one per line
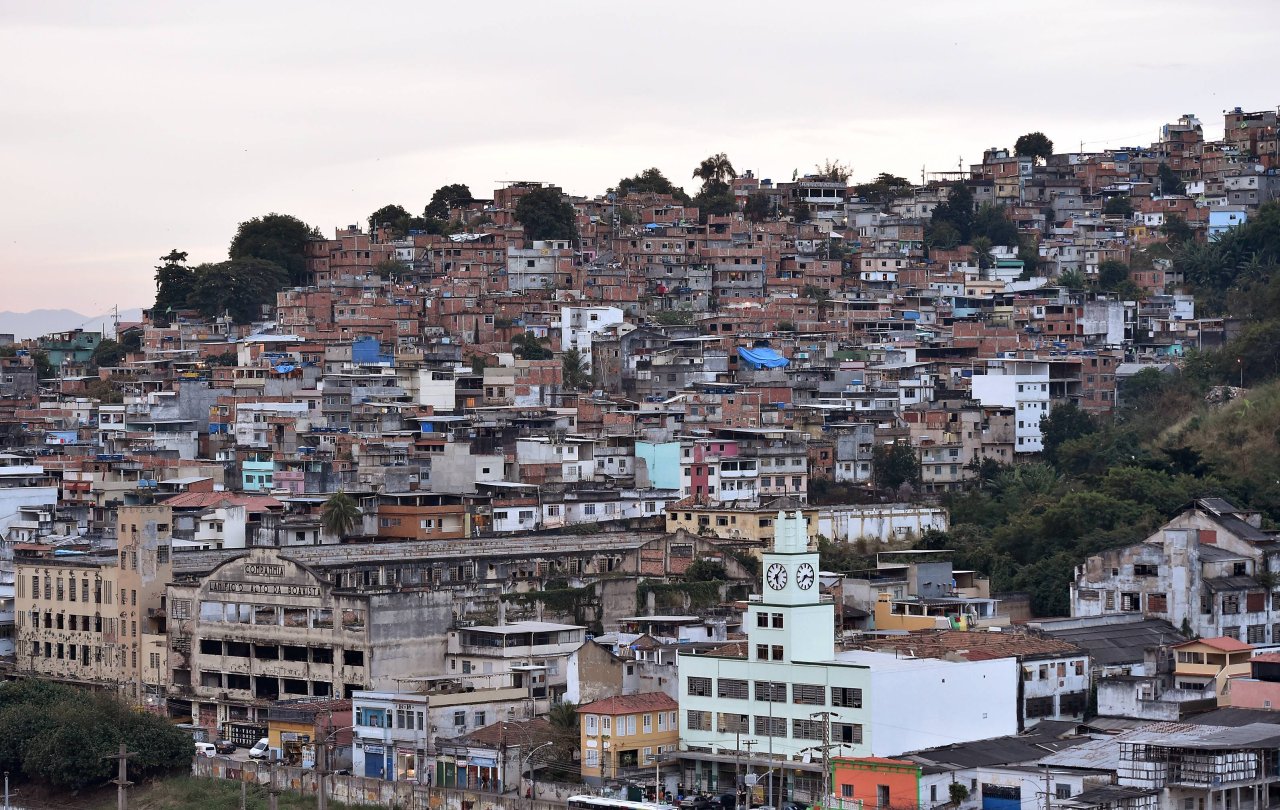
(132, 128)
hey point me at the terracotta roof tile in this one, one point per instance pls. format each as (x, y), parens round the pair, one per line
(630, 704)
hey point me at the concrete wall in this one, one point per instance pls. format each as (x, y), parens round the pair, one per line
(360, 790)
(884, 524)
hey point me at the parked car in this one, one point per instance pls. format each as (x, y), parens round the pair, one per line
(205, 749)
(261, 749)
(225, 746)
(699, 803)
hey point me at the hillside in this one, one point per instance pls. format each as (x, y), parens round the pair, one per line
(37, 322)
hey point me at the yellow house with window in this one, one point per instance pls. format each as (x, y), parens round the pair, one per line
(623, 737)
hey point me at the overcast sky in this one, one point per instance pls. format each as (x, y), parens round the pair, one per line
(130, 128)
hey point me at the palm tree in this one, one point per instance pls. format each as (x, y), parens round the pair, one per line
(339, 514)
(716, 168)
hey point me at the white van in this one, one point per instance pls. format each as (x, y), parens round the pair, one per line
(261, 749)
(204, 749)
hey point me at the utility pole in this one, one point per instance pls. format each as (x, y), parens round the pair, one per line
(121, 781)
(322, 761)
(751, 770)
(273, 792)
(826, 753)
(6, 790)
(737, 767)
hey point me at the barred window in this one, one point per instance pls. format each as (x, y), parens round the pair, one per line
(699, 687)
(1039, 706)
(806, 729)
(733, 724)
(772, 691)
(809, 693)
(698, 720)
(846, 733)
(846, 697)
(731, 688)
(180, 608)
(770, 726)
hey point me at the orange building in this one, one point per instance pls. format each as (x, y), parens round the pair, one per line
(874, 782)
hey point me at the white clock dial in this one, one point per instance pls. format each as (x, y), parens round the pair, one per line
(804, 576)
(776, 576)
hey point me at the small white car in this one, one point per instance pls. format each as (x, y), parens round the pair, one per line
(204, 749)
(261, 749)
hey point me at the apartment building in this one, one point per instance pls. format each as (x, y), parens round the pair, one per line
(621, 737)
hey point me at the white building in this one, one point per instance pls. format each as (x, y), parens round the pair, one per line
(578, 324)
(791, 682)
(1022, 385)
(543, 266)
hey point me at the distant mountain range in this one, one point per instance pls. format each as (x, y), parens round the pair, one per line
(39, 322)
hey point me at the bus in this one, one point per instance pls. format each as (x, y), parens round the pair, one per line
(585, 802)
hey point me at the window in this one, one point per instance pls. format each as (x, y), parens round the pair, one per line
(1157, 603)
(460, 719)
(806, 729)
(777, 621)
(1256, 634)
(770, 726)
(593, 725)
(762, 619)
(810, 694)
(1062, 791)
(771, 691)
(1131, 602)
(733, 688)
(849, 698)
(700, 687)
(850, 733)
(1231, 603)
(730, 723)
(698, 720)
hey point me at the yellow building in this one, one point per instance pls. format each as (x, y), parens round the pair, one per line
(96, 618)
(1207, 663)
(622, 737)
(752, 526)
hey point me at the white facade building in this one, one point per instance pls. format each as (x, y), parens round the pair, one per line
(1022, 385)
(578, 324)
(792, 681)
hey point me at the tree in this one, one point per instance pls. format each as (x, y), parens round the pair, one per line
(565, 736)
(815, 292)
(716, 168)
(650, 181)
(982, 252)
(107, 353)
(833, 171)
(277, 238)
(1064, 423)
(1113, 275)
(956, 210)
(173, 286)
(1120, 206)
(800, 211)
(942, 236)
(340, 515)
(1169, 181)
(992, 221)
(392, 268)
(545, 214)
(575, 370)
(758, 207)
(528, 346)
(703, 570)
(1176, 230)
(1034, 145)
(1072, 280)
(393, 215)
(715, 199)
(884, 189)
(894, 465)
(238, 287)
(674, 317)
(445, 197)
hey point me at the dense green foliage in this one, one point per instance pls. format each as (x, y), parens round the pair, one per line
(340, 514)
(61, 736)
(895, 464)
(758, 207)
(528, 346)
(445, 197)
(650, 181)
(1108, 481)
(546, 214)
(278, 239)
(884, 189)
(1034, 144)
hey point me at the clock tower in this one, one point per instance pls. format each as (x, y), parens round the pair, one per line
(791, 622)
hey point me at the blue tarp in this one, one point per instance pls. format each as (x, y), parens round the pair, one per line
(763, 357)
(285, 368)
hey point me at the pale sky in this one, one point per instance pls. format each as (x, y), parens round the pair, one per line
(130, 128)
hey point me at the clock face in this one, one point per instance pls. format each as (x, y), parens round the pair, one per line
(776, 576)
(804, 576)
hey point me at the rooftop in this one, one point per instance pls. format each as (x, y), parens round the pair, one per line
(631, 704)
(971, 645)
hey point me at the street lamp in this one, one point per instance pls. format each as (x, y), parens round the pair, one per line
(533, 778)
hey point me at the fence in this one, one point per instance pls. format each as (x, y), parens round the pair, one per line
(367, 790)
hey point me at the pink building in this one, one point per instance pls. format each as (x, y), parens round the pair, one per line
(1261, 688)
